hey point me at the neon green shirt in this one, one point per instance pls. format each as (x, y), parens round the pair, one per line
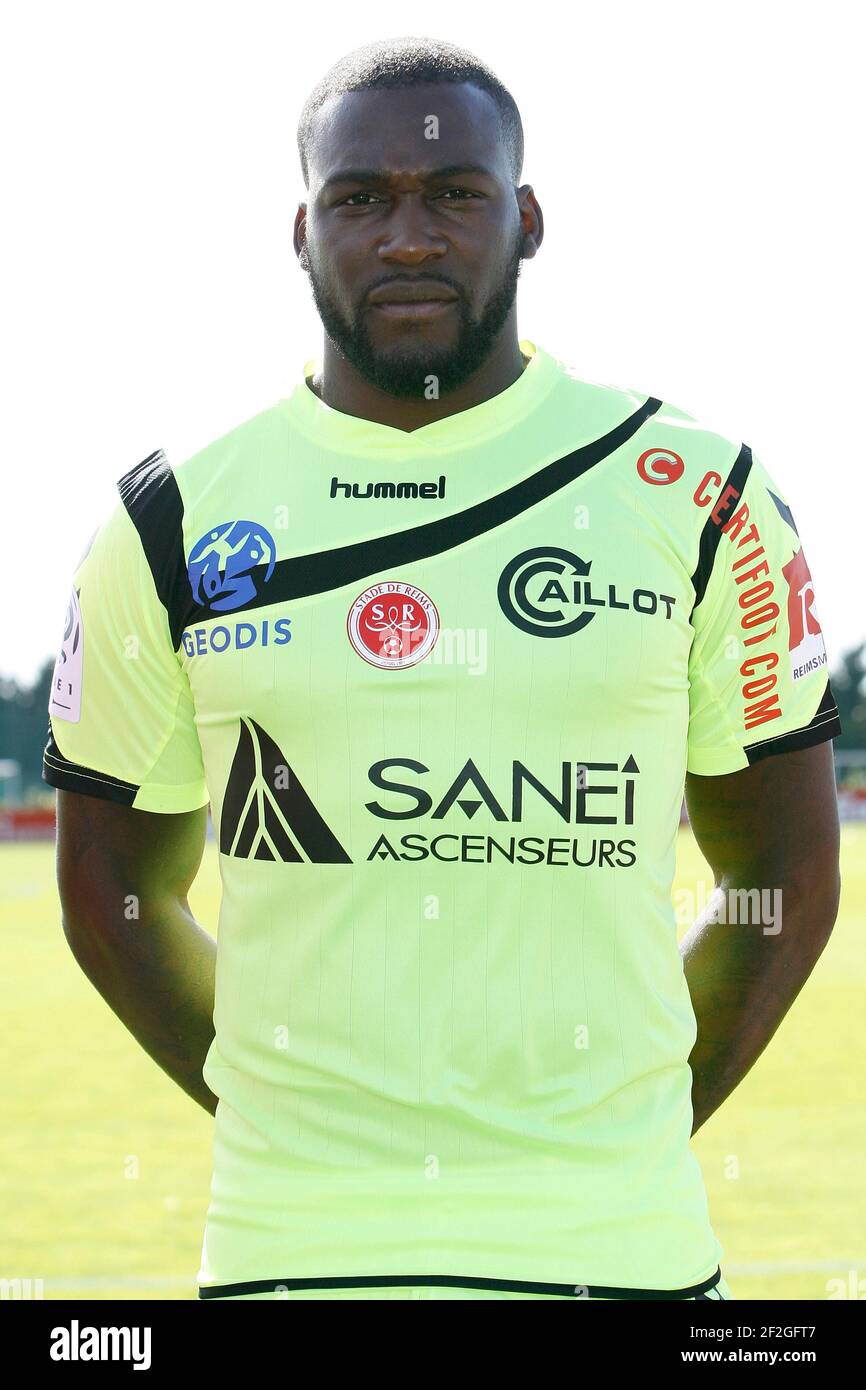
(441, 690)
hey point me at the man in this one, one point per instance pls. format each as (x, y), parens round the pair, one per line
(440, 639)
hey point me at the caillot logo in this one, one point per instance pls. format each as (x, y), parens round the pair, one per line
(547, 592)
(266, 812)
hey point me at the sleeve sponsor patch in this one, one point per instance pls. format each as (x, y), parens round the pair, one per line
(65, 701)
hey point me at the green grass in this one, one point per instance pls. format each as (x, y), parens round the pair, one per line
(105, 1165)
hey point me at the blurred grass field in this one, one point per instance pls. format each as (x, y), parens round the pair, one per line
(105, 1164)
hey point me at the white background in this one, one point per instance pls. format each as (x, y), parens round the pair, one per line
(700, 167)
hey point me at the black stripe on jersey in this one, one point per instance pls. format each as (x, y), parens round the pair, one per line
(58, 771)
(303, 575)
(826, 724)
(784, 511)
(152, 498)
(453, 1281)
(712, 532)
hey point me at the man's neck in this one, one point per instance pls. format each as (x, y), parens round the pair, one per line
(341, 386)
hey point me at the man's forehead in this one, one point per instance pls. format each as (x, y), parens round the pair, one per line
(391, 128)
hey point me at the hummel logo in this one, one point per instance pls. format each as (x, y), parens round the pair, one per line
(401, 489)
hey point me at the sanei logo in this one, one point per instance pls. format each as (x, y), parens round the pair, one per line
(547, 592)
(267, 813)
(388, 489)
(579, 793)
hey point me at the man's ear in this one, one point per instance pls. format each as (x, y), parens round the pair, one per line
(299, 237)
(532, 220)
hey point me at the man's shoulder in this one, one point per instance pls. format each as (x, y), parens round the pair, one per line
(240, 445)
(694, 430)
(672, 443)
(159, 496)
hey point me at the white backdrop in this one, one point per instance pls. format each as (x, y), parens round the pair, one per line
(700, 170)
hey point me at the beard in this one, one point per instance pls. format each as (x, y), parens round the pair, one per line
(404, 371)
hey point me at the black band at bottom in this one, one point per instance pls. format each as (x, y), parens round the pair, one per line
(451, 1281)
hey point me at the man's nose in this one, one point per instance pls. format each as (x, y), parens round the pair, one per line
(409, 237)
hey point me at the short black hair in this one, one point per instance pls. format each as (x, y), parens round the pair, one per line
(407, 62)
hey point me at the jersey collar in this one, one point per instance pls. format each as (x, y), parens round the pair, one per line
(332, 429)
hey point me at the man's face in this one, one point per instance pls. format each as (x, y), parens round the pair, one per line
(394, 216)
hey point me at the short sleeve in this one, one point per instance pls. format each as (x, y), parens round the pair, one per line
(758, 677)
(121, 714)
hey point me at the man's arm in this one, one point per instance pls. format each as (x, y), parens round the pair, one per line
(772, 826)
(124, 876)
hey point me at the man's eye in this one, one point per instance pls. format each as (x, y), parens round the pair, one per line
(352, 200)
(365, 199)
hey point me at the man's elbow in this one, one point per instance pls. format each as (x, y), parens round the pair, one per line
(814, 898)
(87, 929)
(80, 935)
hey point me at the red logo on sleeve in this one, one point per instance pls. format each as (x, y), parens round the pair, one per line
(660, 466)
(805, 640)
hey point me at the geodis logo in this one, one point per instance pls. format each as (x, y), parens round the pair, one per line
(393, 625)
(548, 592)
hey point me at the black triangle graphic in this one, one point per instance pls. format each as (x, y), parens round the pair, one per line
(237, 794)
(277, 831)
(249, 831)
(470, 807)
(316, 838)
(265, 809)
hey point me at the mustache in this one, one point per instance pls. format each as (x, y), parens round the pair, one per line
(392, 280)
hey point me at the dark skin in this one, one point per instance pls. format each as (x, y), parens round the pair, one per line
(156, 970)
(771, 826)
(444, 207)
(774, 825)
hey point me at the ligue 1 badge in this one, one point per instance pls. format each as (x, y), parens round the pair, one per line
(65, 698)
(393, 625)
